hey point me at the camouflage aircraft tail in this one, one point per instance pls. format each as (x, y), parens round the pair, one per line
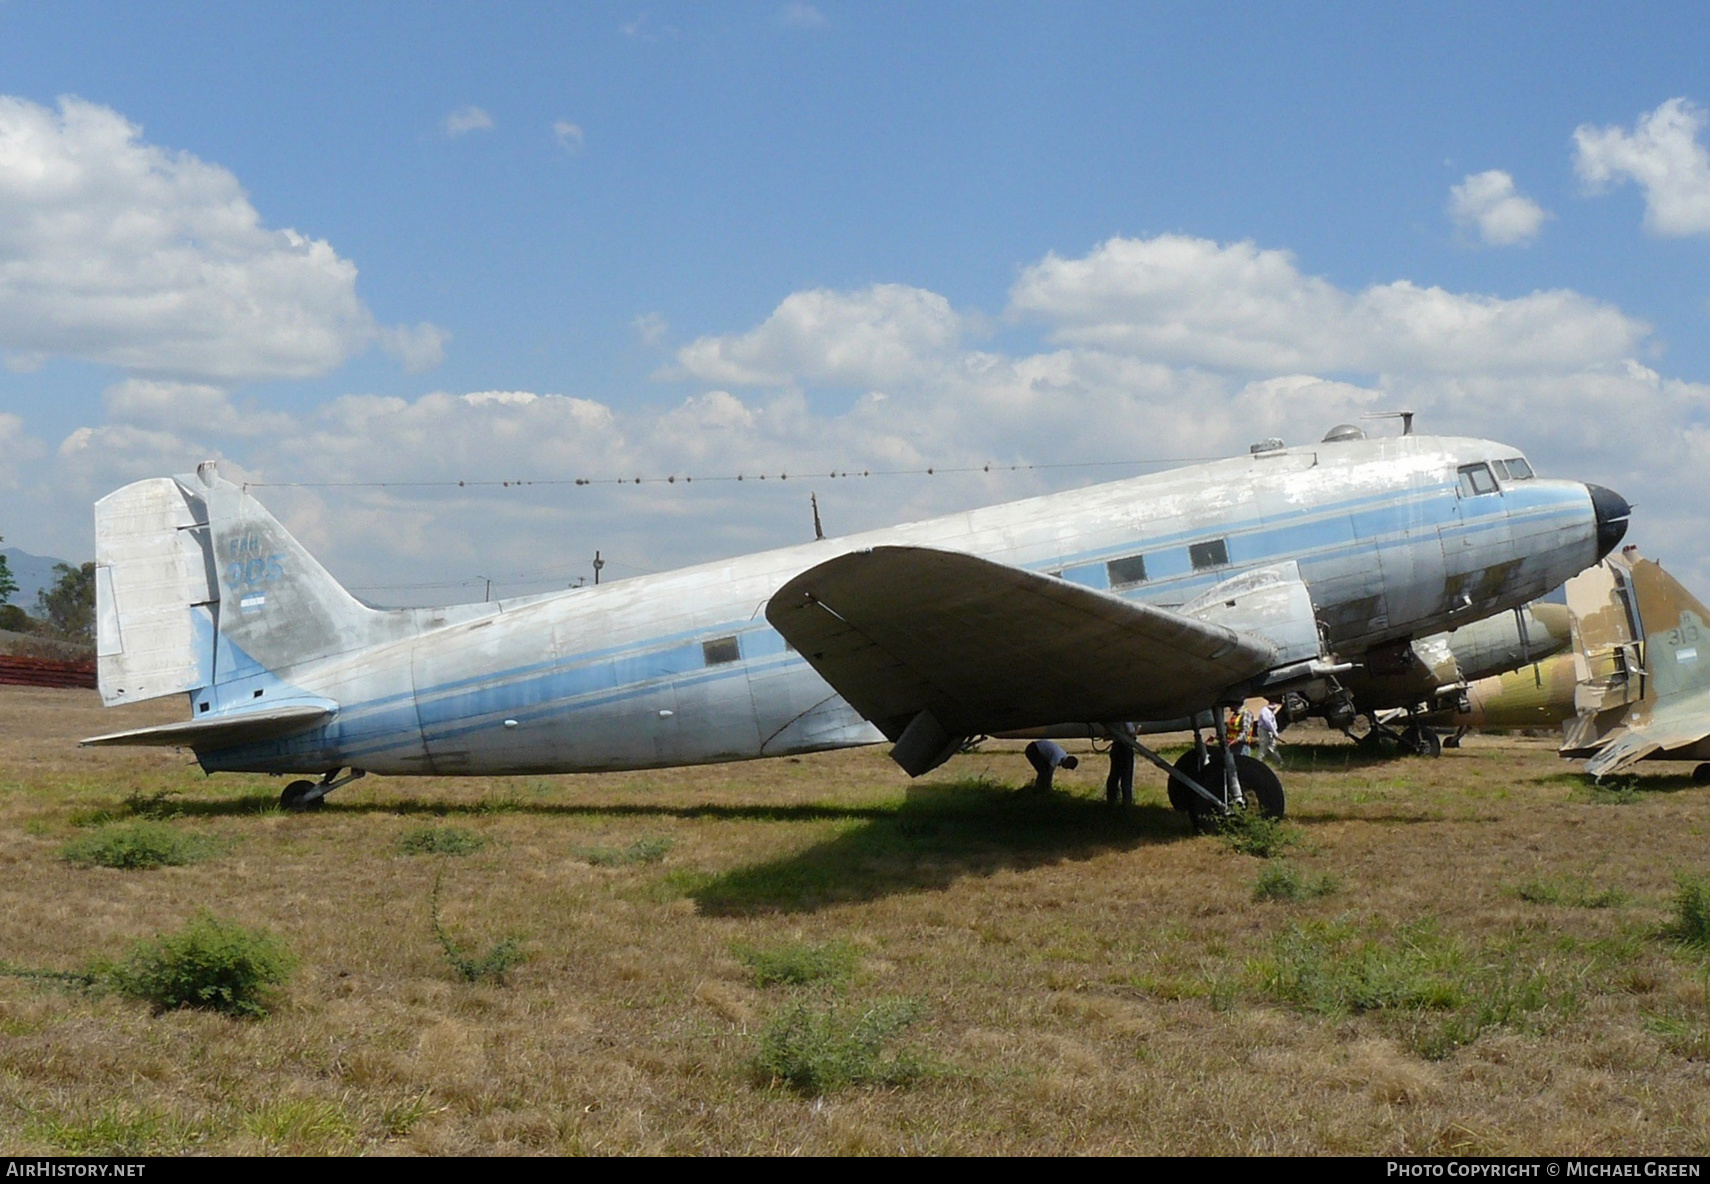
(1643, 657)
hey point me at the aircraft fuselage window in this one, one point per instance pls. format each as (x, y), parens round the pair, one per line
(1514, 468)
(1127, 572)
(1476, 480)
(1209, 555)
(720, 650)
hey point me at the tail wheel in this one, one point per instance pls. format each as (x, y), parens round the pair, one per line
(1259, 784)
(296, 797)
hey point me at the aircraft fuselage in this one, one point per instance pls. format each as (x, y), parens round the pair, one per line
(682, 668)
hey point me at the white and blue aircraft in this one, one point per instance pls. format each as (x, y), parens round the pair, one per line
(1122, 608)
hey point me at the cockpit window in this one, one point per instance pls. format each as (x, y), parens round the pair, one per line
(1476, 479)
(1514, 468)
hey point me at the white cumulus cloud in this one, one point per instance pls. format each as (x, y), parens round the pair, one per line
(1160, 348)
(1193, 301)
(187, 408)
(1663, 155)
(467, 119)
(880, 335)
(117, 251)
(1488, 205)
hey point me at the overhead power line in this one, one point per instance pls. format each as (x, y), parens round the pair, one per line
(689, 479)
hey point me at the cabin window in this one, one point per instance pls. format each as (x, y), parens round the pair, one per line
(1209, 555)
(1476, 480)
(1127, 572)
(720, 650)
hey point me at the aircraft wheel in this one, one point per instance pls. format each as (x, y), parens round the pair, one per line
(1701, 775)
(1423, 741)
(1182, 798)
(296, 797)
(1259, 782)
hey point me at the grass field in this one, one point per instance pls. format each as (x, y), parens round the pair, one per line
(1471, 955)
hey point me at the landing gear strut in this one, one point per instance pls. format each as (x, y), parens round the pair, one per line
(1261, 788)
(1416, 739)
(1204, 787)
(300, 796)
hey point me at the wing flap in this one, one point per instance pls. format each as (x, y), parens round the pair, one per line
(224, 731)
(985, 647)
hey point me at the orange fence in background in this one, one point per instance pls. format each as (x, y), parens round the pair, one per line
(42, 672)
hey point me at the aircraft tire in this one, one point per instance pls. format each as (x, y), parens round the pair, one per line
(1180, 796)
(1701, 775)
(1259, 783)
(1423, 741)
(296, 797)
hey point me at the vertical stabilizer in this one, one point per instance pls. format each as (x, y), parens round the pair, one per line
(1677, 636)
(278, 606)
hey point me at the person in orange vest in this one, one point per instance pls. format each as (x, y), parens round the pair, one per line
(1239, 730)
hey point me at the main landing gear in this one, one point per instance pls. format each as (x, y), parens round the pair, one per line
(300, 796)
(1210, 783)
(1416, 739)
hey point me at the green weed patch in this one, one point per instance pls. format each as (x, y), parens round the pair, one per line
(800, 963)
(209, 963)
(1251, 833)
(643, 850)
(1575, 893)
(137, 845)
(500, 958)
(1690, 925)
(819, 1050)
(441, 840)
(1440, 993)
(1283, 881)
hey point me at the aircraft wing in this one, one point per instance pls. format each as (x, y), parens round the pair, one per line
(1630, 747)
(223, 731)
(1662, 733)
(933, 646)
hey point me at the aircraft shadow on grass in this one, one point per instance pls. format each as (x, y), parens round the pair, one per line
(941, 833)
(173, 805)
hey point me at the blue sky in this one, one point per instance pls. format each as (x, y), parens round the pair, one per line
(828, 235)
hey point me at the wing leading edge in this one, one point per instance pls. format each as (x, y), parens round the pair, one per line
(935, 646)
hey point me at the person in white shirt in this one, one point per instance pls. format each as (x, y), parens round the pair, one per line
(1267, 734)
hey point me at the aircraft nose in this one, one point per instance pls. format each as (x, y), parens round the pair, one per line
(1612, 513)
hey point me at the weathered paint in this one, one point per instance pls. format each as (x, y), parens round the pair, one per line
(621, 675)
(1534, 696)
(1642, 658)
(1441, 665)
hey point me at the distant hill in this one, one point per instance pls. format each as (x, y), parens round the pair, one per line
(33, 573)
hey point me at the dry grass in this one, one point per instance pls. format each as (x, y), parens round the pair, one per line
(1492, 973)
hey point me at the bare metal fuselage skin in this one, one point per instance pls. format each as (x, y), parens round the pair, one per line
(683, 668)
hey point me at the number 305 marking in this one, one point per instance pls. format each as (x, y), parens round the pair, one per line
(255, 571)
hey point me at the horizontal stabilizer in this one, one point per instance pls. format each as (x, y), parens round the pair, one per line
(985, 647)
(226, 731)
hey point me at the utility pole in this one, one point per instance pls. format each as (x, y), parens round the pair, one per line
(598, 564)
